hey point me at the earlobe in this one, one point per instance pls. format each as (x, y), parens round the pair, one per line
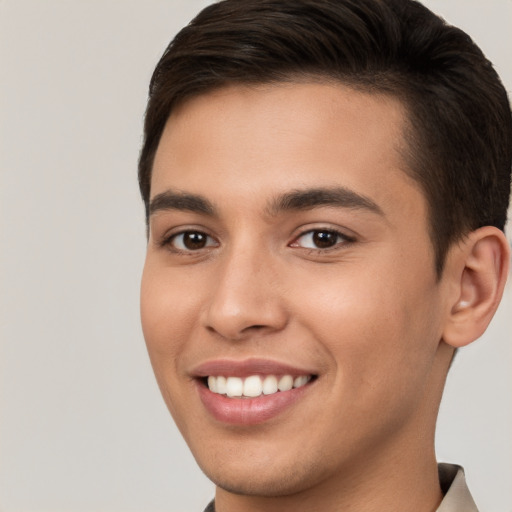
(481, 269)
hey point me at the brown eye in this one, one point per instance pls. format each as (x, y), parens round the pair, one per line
(192, 241)
(321, 239)
(324, 239)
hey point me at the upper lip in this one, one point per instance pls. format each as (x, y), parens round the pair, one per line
(247, 367)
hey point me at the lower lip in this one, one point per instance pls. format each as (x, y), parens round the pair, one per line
(248, 411)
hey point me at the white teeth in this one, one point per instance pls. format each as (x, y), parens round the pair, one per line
(285, 383)
(221, 385)
(270, 385)
(300, 381)
(234, 386)
(212, 384)
(254, 385)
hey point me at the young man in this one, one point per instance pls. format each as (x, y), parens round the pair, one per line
(326, 183)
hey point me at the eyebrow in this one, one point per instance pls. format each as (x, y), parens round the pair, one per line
(306, 199)
(339, 197)
(170, 200)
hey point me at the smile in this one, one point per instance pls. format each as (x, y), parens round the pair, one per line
(251, 391)
(255, 385)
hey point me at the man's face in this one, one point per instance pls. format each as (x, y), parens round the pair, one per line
(287, 244)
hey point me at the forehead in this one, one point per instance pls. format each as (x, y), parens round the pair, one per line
(243, 139)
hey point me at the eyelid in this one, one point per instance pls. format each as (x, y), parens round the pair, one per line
(346, 239)
(170, 236)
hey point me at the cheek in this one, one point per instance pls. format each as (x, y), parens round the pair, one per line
(167, 315)
(381, 332)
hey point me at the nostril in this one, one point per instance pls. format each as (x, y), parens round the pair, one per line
(240, 334)
(248, 318)
(255, 327)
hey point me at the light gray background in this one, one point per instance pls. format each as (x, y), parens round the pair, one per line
(83, 427)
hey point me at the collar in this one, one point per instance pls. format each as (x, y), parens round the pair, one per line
(457, 497)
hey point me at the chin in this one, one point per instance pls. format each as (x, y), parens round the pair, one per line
(271, 478)
(271, 485)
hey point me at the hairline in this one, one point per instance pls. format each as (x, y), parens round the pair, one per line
(411, 136)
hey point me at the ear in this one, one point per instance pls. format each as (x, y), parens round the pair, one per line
(478, 269)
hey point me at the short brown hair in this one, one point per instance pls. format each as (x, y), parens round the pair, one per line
(459, 135)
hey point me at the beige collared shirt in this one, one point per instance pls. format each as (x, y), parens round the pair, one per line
(457, 497)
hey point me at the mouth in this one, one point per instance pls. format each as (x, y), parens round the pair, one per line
(252, 391)
(254, 386)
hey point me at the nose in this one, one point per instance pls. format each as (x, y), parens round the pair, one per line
(247, 298)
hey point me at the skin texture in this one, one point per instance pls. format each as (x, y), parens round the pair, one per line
(366, 316)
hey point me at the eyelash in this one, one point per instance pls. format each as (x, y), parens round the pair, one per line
(341, 240)
(170, 240)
